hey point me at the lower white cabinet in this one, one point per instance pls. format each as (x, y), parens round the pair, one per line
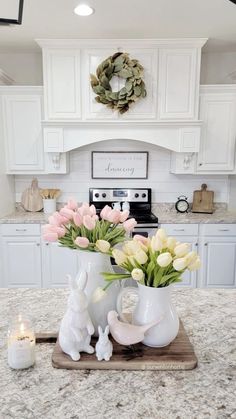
(57, 262)
(21, 261)
(28, 261)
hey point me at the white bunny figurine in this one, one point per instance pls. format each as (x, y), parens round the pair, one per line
(104, 346)
(76, 326)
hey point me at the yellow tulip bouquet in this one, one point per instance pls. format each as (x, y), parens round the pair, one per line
(156, 262)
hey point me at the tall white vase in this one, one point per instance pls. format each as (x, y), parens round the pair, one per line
(153, 304)
(94, 263)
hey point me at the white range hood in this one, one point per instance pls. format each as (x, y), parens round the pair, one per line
(167, 117)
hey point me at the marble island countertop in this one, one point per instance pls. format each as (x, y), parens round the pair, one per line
(166, 214)
(209, 391)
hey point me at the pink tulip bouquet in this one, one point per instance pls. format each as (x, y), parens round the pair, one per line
(80, 228)
(157, 261)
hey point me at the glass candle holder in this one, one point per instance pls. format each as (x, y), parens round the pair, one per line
(21, 343)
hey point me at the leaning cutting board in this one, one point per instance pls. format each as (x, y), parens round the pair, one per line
(203, 200)
(31, 199)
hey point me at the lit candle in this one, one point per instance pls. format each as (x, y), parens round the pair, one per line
(21, 344)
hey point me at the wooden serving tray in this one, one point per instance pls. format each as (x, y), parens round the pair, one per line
(179, 355)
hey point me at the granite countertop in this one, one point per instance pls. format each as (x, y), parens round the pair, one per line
(208, 391)
(166, 213)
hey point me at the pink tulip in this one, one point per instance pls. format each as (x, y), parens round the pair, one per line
(61, 231)
(72, 204)
(67, 213)
(105, 212)
(57, 219)
(92, 210)
(50, 237)
(124, 215)
(77, 218)
(89, 222)
(140, 238)
(95, 217)
(82, 242)
(129, 224)
(114, 216)
(48, 228)
(84, 209)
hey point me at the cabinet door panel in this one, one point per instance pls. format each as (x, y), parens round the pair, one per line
(21, 262)
(178, 81)
(218, 132)
(219, 262)
(23, 133)
(145, 108)
(62, 84)
(57, 263)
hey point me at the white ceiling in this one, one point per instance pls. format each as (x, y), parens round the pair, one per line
(214, 19)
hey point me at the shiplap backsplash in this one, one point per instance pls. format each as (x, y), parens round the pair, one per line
(166, 187)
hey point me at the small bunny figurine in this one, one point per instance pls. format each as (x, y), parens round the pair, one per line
(76, 326)
(104, 346)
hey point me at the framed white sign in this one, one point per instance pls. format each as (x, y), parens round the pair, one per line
(119, 165)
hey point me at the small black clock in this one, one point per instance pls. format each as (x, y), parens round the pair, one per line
(182, 204)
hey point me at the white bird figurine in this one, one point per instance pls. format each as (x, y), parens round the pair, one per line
(126, 333)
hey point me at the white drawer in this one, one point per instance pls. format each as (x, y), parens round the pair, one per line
(218, 229)
(20, 229)
(181, 229)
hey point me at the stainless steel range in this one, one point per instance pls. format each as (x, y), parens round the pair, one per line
(138, 201)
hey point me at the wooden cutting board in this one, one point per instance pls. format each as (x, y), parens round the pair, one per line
(179, 355)
(203, 200)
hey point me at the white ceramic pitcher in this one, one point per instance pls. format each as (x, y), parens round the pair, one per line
(153, 304)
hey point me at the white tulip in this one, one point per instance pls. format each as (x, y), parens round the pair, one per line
(164, 259)
(137, 274)
(98, 295)
(182, 249)
(171, 243)
(131, 247)
(141, 257)
(191, 257)
(161, 234)
(119, 256)
(180, 264)
(103, 246)
(156, 244)
(196, 264)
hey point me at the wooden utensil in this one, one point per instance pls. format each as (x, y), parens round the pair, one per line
(203, 200)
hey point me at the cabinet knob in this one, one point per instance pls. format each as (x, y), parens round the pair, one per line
(47, 244)
(199, 164)
(196, 244)
(205, 244)
(37, 244)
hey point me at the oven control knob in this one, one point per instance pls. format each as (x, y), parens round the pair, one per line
(104, 195)
(136, 195)
(96, 195)
(144, 195)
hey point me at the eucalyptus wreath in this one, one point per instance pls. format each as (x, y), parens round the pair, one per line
(119, 65)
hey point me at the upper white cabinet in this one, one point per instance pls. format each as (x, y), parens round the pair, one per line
(179, 71)
(62, 87)
(218, 112)
(171, 75)
(22, 114)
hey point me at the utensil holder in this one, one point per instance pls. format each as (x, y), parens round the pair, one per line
(49, 205)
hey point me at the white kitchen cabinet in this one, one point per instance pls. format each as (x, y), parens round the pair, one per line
(21, 261)
(218, 255)
(217, 145)
(62, 86)
(22, 114)
(179, 70)
(57, 262)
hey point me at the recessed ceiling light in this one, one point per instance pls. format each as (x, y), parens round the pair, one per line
(83, 10)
